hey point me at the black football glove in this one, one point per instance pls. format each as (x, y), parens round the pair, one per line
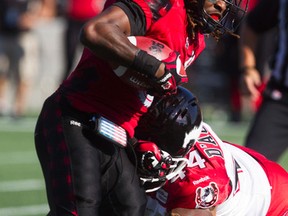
(167, 84)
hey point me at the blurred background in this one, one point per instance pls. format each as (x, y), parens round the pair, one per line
(34, 59)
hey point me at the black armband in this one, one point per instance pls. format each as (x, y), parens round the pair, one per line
(145, 63)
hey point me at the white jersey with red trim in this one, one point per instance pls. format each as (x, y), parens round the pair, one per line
(218, 174)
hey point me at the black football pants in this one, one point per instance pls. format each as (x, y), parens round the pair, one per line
(85, 175)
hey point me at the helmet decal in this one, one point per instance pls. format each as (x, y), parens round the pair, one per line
(206, 197)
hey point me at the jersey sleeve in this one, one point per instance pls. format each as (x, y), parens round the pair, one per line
(135, 15)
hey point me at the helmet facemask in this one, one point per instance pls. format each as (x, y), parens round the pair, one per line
(229, 22)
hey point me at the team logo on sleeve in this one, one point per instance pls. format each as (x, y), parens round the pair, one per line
(206, 197)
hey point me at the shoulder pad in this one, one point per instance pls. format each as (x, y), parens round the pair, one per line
(159, 8)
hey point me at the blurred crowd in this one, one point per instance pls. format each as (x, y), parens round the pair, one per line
(38, 48)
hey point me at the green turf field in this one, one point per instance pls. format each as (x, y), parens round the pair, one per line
(21, 183)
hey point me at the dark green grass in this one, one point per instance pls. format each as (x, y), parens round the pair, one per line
(23, 198)
(18, 162)
(16, 141)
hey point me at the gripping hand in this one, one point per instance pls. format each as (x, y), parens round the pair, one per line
(167, 84)
(151, 160)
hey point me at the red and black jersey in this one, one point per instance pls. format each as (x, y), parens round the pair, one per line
(93, 87)
(84, 9)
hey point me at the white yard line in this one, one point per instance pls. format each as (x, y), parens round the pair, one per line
(25, 210)
(14, 158)
(21, 185)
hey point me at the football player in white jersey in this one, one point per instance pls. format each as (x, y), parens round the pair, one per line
(192, 172)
